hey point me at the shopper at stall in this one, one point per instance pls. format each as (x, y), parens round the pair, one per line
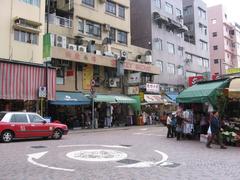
(173, 124)
(215, 131)
(169, 126)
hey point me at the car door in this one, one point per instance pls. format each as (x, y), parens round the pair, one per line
(20, 125)
(38, 127)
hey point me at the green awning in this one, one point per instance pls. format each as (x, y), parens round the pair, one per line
(114, 99)
(202, 92)
(104, 98)
(136, 106)
(125, 100)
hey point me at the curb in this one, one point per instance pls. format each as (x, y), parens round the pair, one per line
(79, 130)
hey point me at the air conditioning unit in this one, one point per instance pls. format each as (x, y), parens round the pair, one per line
(139, 58)
(123, 54)
(113, 82)
(98, 52)
(72, 47)
(91, 47)
(148, 59)
(61, 41)
(108, 53)
(82, 48)
(106, 27)
(102, 1)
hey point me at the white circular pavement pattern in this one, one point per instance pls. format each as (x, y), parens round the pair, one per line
(97, 155)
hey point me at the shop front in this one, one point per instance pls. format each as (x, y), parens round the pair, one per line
(71, 108)
(120, 108)
(20, 84)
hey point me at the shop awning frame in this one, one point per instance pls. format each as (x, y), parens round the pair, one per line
(202, 92)
(113, 99)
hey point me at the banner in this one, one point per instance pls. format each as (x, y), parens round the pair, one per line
(87, 76)
(154, 88)
(192, 80)
(133, 90)
(47, 47)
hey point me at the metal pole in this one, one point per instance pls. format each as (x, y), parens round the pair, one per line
(220, 60)
(93, 111)
(48, 11)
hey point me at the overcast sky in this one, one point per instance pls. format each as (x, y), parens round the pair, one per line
(232, 7)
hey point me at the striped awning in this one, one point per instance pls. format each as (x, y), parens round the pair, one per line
(20, 81)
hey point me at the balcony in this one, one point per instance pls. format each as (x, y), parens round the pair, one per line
(59, 21)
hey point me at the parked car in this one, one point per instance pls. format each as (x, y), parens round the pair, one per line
(14, 125)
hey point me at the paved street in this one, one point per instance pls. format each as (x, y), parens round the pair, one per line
(134, 153)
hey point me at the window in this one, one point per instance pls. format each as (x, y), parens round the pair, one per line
(122, 37)
(180, 51)
(32, 2)
(171, 68)
(180, 35)
(81, 25)
(159, 64)
(121, 11)
(60, 76)
(158, 44)
(214, 21)
(170, 47)
(204, 45)
(206, 63)
(202, 13)
(35, 118)
(157, 3)
(215, 47)
(200, 61)
(93, 29)
(112, 34)
(180, 70)
(168, 8)
(178, 12)
(25, 37)
(214, 34)
(88, 2)
(203, 28)
(187, 10)
(111, 7)
(215, 61)
(19, 118)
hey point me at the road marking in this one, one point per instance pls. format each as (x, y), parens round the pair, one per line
(97, 155)
(94, 145)
(41, 154)
(147, 164)
(144, 129)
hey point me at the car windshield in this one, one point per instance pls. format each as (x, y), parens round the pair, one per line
(2, 115)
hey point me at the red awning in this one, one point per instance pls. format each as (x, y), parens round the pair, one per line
(22, 81)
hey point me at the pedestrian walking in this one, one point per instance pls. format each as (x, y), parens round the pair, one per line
(169, 126)
(173, 124)
(215, 131)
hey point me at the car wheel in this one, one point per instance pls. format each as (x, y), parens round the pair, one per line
(57, 134)
(7, 136)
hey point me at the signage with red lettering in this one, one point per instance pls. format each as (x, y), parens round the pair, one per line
(216, 77)
(192, 80)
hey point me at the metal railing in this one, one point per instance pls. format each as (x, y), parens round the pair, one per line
(60, 21)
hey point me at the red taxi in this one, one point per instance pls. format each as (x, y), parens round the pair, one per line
(14, 125)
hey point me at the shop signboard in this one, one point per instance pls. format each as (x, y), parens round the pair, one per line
(134, 78)
(133, 90)
(141, 95)
(153, 88)
(42, 92)
(192, 80)
(233, 70)
(87, 76)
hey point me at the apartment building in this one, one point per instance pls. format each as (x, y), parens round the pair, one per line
(158, 25)
(196, 40)
(21, 70)
(88, 36)
(222, 36)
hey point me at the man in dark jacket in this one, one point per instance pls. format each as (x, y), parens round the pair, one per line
(215, 131)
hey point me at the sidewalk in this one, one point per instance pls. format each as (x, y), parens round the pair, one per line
(80, 130)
